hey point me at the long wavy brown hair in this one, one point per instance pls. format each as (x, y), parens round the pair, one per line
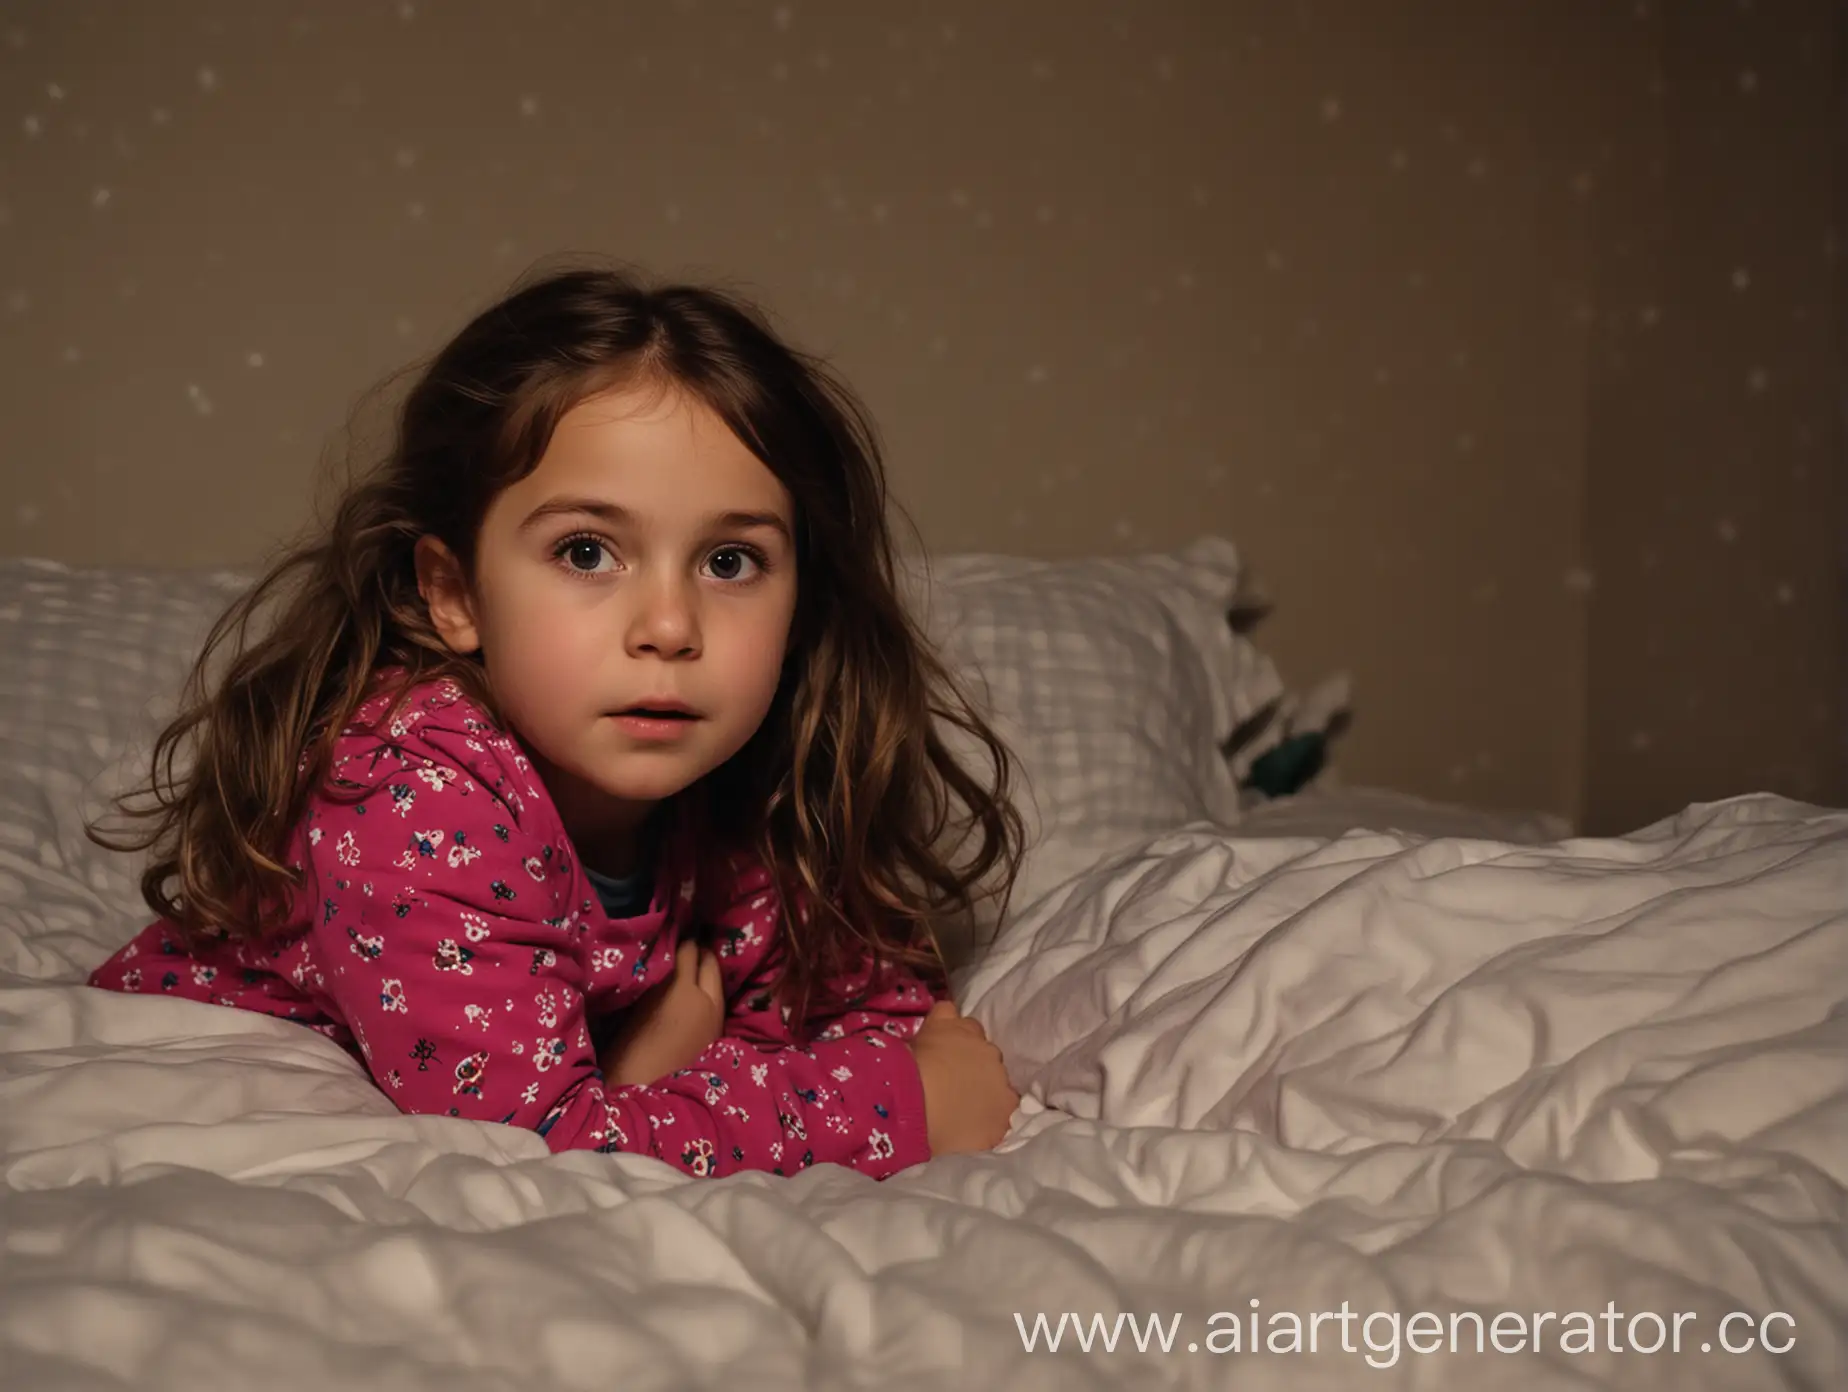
(847, 790)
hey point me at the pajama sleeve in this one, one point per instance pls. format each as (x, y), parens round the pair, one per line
(756, 1099)
(444, 941)
(851, 1095)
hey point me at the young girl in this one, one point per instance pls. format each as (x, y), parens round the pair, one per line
(587, 781)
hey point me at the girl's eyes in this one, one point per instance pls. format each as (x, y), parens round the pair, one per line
(733, 563)
(730, 563)
(576, 548)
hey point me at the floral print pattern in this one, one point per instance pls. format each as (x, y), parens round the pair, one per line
(446, 934)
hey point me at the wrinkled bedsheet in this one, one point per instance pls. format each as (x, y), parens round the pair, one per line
(1261, 1077)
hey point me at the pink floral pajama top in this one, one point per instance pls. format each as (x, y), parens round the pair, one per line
(447, 935)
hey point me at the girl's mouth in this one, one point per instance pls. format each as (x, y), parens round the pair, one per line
(655, 723)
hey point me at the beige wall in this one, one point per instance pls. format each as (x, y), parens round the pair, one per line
(1391, 294)
(1717, 496)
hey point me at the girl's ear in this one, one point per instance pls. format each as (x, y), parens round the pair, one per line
(446, 594)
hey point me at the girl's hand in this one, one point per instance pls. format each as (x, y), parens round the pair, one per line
(968, 1100)
(672, 1024)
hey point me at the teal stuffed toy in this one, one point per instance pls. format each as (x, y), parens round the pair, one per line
(1289, 765)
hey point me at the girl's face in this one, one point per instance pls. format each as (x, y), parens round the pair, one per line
(646, 564)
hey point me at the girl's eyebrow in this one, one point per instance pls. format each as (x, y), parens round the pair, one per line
(614, 514)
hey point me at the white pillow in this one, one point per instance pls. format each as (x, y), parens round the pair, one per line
(1115, 682)
(91, 665)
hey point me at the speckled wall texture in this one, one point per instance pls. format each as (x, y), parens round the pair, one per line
(1504, 338)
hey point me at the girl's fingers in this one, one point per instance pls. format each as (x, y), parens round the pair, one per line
(943, 1010)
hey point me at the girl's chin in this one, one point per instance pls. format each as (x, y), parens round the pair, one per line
(648, 795)
(587, 791)
(653, 786)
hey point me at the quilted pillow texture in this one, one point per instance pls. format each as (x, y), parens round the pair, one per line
(1115, 681)
(91, 665)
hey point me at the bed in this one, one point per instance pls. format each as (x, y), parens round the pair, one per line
(1403, 1077)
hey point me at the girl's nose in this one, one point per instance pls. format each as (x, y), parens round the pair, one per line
(666, 624)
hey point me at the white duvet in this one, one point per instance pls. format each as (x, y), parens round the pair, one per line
(1601, 1081)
